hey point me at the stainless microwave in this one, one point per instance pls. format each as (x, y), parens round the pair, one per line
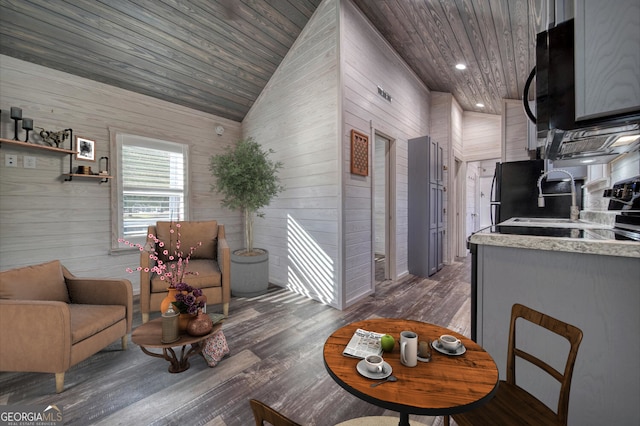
(565, 137)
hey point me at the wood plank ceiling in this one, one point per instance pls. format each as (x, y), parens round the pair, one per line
(217, 56)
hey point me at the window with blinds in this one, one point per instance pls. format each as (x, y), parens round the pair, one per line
(152, 184)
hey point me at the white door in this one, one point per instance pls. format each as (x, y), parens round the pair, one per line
(472, 200)
(484, 209)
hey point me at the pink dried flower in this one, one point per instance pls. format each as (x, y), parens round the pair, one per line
(172, 272)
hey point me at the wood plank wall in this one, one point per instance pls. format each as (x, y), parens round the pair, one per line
(297, 116)
(515, 131)
(367, 61)
(43, 218)
(337, 62)
(481, 136)
(627, 166)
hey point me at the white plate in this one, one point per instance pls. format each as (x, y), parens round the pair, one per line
(436, 345)
(386, 370)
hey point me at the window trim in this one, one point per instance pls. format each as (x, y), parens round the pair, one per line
(117, 137)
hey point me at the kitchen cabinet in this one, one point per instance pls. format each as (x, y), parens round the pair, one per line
(425, 206)
(607, 57)
(598, 293)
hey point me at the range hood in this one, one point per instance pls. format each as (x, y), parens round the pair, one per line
(592, 145)
(561, 134)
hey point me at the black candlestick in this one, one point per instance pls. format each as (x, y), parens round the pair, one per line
(16, 115)
(15, 137)
(27, 124)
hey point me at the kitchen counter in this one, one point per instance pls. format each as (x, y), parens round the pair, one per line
(585, 239)
(592, 284)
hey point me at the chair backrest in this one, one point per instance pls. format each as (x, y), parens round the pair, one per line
(569, 332)
(200, 234)
(262, 413)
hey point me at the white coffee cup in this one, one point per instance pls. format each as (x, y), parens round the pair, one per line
(409, 348)
(374, 363)
(449, 342)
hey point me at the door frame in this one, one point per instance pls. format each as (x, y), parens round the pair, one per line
(461, 207)
(390, 206)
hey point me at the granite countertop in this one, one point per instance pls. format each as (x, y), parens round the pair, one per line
(606, 247)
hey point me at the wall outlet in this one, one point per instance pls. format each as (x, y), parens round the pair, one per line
(29, 162)
(11, 160)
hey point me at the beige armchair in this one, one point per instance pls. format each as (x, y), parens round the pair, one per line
(51, 320)
(211, 261)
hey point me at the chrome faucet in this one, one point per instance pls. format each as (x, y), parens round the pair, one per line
(574, 213)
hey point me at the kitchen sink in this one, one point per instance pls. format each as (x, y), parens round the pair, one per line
(552, 222)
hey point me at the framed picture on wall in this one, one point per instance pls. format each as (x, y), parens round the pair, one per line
(359, 153)
(85, 149)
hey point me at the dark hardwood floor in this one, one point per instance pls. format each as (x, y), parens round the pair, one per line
(276, 356)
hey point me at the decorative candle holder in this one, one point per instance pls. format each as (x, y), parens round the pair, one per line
(27, 124)
(16, 115)
(170, 332)
(103, 170)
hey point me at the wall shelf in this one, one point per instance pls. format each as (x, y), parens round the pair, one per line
(68, 176)
(34, 146)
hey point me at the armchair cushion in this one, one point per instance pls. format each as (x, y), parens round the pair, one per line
(89, 320)
(208, 276)
(38, 282)
(191, 233)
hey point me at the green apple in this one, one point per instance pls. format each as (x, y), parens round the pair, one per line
(387, 342)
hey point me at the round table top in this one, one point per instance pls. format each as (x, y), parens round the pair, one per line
(149, 335)
(445, 385)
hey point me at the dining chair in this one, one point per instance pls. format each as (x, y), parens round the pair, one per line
(263, 413)
(513, 405)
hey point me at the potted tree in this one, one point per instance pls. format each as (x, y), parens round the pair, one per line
(248, 180)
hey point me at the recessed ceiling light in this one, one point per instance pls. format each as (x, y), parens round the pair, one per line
(461, 66)
(480, 105)
(587, 161)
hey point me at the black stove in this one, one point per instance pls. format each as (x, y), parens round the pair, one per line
(624, 197)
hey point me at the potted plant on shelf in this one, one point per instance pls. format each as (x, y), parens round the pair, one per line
(248, 180)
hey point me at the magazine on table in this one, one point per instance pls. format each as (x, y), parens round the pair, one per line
(363, 343)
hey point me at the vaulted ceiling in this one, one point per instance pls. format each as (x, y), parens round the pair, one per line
(217, 56)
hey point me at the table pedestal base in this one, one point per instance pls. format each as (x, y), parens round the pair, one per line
(376, 421)
(177, 365)
(404, 419)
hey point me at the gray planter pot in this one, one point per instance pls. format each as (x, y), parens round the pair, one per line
(249, 274)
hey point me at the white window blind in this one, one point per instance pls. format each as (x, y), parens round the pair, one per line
(152, 184)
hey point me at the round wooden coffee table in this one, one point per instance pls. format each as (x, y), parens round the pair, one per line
(446, 385)
(149, 335)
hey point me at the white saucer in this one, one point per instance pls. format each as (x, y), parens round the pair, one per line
(386, 370)
(436, 345)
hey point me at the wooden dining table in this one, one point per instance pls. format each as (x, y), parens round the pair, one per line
(447, 384)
